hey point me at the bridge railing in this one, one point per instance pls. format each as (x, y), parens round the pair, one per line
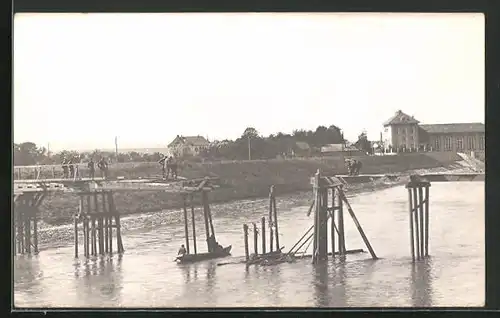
(47, 171)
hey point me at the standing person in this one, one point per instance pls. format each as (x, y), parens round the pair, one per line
(91, 166)
(162, 162)
(71, 167)
(65, 167)
(358, 167)
(348, 164)
(103, 166)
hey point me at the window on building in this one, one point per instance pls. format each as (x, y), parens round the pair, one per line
(413, 130)
(437, 144)
(460, 143)
(481, 142)
(447, 143)
(470, 143)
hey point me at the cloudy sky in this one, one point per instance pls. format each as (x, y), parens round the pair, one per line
(82, 79)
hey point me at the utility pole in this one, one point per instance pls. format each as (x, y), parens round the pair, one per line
(249, 151)
(116, 148)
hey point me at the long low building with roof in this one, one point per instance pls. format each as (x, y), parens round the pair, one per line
(403, 132)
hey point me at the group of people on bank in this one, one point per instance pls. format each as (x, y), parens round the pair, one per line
(168, 167)
(353, 166)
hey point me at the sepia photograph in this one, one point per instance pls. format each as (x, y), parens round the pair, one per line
(246, 160)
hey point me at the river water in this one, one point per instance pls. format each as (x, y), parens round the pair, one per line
(146, 276)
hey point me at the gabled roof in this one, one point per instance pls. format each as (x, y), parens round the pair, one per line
(454, 128)
(400, 118)
(190, 140)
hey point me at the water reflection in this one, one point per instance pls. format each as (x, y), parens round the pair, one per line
(101, 278)
(320, 283)
(27, 274)
(421, 283)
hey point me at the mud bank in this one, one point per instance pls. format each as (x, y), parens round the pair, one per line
(240, 180)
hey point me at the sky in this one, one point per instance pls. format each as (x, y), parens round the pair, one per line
(82, 79)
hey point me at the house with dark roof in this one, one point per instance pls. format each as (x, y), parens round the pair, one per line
(187, 145)
(403, 132)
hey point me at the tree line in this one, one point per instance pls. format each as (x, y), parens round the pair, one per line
(249, 144)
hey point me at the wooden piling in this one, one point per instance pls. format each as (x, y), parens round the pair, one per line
(116, 214)
(332, 223)
(275, 219)
(341, 233)
(35, 232)
(186, 229)
(27, 223)
(317, 199)
(87, 227)
(271, 232)
(263, 234)
(245, 234)
(421, 217)
(104, 225)
(321, 251)
(205, 218)
(255, 240)
(415, 217)
(412, 237)
(193, 223)
(427, 220)
(80, 211)
(94, 235)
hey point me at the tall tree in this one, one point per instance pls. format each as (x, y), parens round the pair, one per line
(363, 143)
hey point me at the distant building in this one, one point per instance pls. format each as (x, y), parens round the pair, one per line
(302, 149)
(404, 133)
(188, 145)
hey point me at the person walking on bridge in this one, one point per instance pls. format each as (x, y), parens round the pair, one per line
(65, 168)
(103, 166)
(357, 167)
(71, 167)
(91, 167)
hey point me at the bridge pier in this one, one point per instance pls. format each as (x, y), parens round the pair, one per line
(97, 212)
(418, 200)
(324, 187)
(26, 209)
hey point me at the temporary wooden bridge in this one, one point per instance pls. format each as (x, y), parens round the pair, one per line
(96, 210)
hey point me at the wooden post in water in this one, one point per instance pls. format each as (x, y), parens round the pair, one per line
(421, 217)
(205, 217)
(87, 227)
(323, 229)
(116, 214)
(255, 240)
(332, 223)
(107, 210)
(317, 198)
(193, 223)
(415, 217)
(245, 234)
(412, 236)
(79, 215)
(427, 220)
(104, 219)
(186, 229)
(275, 217)
(263, 234)
(271, 232)
(342, 248)
(35, 232)
(27, 226)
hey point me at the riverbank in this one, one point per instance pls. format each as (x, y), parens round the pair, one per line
(240, 180)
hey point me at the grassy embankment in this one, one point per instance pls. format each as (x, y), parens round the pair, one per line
(239, 180)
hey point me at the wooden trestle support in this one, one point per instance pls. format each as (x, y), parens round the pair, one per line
(26, 214)
(101, 223)
(418, 201)
(330, 189)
